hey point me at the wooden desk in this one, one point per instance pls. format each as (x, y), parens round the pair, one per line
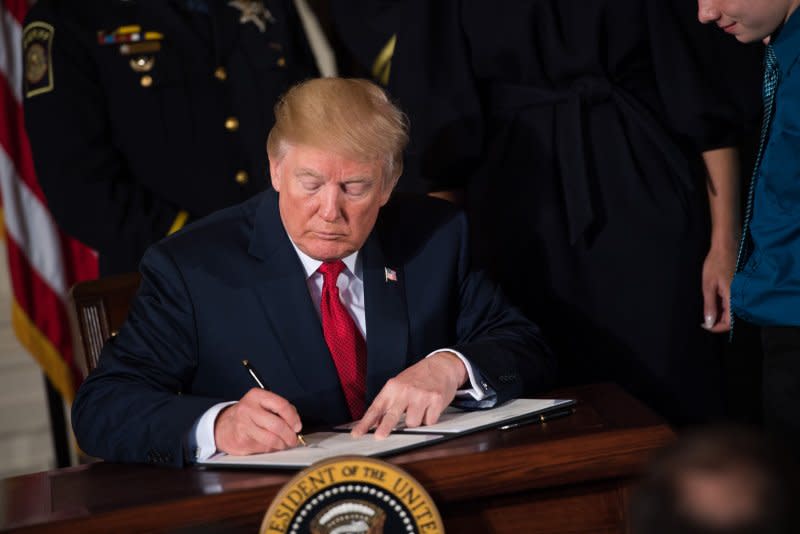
(567, 475)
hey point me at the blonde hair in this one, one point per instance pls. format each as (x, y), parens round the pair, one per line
(349, 116)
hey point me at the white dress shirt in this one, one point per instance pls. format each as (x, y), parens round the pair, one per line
(351, 293)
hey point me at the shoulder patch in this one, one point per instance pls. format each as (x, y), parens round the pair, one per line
(37, 44)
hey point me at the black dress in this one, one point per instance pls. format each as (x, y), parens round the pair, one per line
(577, 128)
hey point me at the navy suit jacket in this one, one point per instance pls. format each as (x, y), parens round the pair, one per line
(231, 287)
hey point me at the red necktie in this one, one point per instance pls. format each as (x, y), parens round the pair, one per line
(344, 340)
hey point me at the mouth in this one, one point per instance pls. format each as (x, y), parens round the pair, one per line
(328, 236)
(728, 28)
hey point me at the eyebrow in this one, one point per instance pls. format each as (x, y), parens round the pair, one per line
(354, 179)
(303, 171)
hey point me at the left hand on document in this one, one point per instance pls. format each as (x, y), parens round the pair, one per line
(421, 392)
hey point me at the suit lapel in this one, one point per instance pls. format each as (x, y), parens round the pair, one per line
(180, 30)
(387, 318)
(227, 28)
(283, 292)
(245, 37)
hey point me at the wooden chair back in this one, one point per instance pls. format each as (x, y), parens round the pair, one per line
(100, 307)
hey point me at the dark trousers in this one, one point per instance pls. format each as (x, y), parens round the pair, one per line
(781, 383)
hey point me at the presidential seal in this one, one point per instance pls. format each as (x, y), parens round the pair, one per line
(352, 495)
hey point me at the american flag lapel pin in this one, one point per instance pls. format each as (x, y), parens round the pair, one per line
(389, 275)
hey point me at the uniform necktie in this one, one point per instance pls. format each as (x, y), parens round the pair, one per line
(347, 346)
(768, 90)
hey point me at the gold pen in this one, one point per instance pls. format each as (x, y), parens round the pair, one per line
(540, 418)
(254, 374)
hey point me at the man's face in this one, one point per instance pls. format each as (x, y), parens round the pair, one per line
(747, 20)
(328, 203)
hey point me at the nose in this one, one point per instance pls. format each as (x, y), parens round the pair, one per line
(706, 11)
(330, 203)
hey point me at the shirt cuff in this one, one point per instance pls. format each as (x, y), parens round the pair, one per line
(201, 438)
(480, 395)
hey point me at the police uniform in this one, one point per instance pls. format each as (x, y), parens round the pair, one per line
(145, 114)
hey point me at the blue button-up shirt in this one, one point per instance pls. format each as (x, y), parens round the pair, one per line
(767, 290)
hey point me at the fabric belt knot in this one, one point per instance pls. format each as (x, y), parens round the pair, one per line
(592, 89)
(345, 343)
(570, 105)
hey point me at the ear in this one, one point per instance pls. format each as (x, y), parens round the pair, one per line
(274, 176)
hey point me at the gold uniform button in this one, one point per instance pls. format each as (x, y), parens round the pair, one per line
(242, 177)
(221, 74)
(281, 62)
(146, 81)
(231, 124)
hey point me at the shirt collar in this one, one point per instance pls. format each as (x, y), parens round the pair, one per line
(310, 265)
(787, 43)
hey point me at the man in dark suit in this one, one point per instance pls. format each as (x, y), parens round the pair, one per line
(146, 114)
(351, 305)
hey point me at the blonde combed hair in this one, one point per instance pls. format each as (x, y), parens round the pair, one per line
(349, 116)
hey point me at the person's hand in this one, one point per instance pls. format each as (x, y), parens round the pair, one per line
(260, 422)
(421, 392)
(717, 275)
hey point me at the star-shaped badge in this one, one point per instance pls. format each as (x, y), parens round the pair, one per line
(253, 11)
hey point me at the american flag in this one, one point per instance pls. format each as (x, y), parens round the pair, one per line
(43, 262)
(390, 275)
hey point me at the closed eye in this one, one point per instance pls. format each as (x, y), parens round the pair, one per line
(357, 188)
(310, 185)
(309, 180)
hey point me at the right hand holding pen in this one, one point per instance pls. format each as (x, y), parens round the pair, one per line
(260, 422)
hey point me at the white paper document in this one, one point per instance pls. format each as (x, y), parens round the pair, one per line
(322, 445)
(456, 421)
